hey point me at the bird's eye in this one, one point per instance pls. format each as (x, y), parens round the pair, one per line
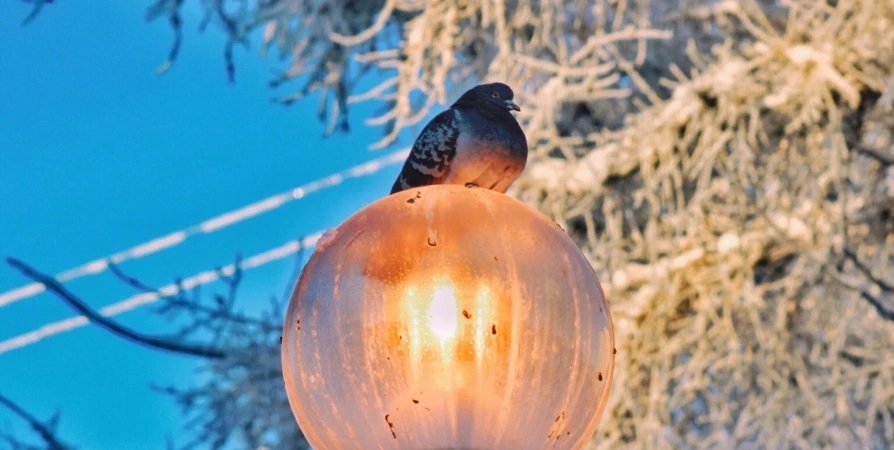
(495, 95)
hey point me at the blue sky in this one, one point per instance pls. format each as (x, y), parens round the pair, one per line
(97, 154)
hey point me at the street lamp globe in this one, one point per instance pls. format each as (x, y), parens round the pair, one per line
(447, 317)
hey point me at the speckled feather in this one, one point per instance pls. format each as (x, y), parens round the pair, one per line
(432, 152)
(477, 141)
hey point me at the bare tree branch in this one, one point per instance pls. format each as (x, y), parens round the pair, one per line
(247, 373)
(223, 312)
(883, 311)
(115, 328)
(35, 10)
(45, 430)
(883, 159)
(884, 285)
(172, 10)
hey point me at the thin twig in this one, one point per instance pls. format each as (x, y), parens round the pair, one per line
(884, 312)
(883, 159)
(888, 287)
(35, 10)
(44, 430)
(179, 301)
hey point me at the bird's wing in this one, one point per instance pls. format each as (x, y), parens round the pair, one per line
(431, 154)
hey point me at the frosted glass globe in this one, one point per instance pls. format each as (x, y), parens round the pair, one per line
(447, 318)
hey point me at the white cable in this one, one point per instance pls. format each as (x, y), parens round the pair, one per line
(136, 301)
(209, 226)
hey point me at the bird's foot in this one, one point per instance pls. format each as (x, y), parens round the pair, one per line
(471, 185)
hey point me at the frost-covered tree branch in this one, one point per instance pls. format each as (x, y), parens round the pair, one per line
(427, 51)
(722, 215)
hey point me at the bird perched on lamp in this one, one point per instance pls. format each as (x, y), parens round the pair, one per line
(477, 142)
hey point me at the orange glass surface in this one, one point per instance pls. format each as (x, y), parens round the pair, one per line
(447, 318)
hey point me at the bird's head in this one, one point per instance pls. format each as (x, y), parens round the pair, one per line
(497, 94)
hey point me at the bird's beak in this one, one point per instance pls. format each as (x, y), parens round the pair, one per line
(512, 106)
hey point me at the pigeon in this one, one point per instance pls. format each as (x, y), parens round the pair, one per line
(476, 142)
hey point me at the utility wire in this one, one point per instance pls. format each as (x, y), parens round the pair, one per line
(135, 301)
(209, 226)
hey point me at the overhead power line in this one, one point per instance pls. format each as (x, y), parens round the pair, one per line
(133, 302)
(209, 226)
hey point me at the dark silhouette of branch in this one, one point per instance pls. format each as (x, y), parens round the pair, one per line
(223, 313)
(883, 159)
(78, 305)
(888, 287)
(250, 372)
(162, 7)
(131, 281)
(45, 430)
(887, 314)
(35, 10)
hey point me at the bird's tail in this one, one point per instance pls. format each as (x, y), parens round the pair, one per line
(397, 187)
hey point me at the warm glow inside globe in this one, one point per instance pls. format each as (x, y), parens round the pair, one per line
(447, 317)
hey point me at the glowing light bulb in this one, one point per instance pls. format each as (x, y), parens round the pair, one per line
(442, 312)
